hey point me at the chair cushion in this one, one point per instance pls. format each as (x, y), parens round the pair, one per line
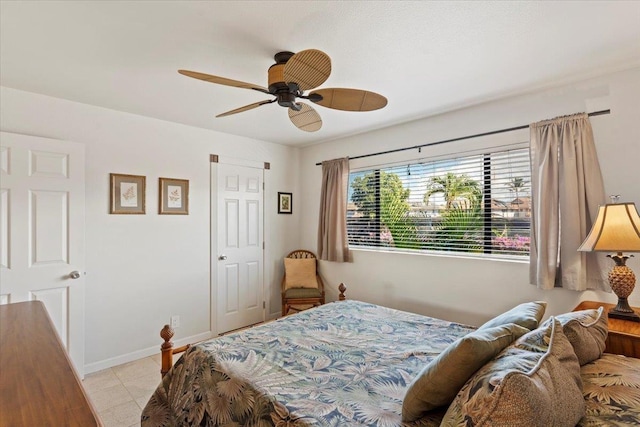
(587, 332)
(439, 382)
(527, 315)
(535, 382)
(302, 293)
(300, 273)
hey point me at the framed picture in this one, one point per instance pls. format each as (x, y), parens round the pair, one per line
(127, 194)
(284, 203)
(174, 196)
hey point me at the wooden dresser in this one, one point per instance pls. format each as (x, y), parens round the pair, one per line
(624, 335)
(38, 385)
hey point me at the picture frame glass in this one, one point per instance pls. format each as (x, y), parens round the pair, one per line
(127, 194)
(173, 197)
(285, 202)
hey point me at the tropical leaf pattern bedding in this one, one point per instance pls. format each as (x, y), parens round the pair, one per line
(612, 391)
(346, 363)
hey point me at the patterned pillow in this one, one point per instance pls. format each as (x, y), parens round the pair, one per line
(587, 332)
(438, 382)
(300, 273)
(527, 315)
(535, 382)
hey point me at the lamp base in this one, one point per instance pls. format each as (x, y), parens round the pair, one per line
(622, 281)
(623, 311)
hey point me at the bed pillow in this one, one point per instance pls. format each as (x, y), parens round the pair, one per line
(587, 332)
(438, 382)
(527, 315)
(535, 382)
(300, 273)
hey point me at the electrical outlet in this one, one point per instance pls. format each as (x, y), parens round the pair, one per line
(175, 321)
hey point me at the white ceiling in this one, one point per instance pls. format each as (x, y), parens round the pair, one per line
(426, 57)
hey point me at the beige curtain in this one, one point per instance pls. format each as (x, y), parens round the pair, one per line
(332, 225)
(567, 188)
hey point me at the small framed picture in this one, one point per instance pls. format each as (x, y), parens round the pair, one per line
(284, 203)
(127, 194)
(174, 196)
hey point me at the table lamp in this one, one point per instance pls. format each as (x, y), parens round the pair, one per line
(617, 229)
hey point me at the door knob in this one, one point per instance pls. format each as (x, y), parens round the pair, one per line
(222, 257)
(74, 274)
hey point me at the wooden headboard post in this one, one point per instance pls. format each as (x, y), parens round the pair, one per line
(167, 349)
(342, 288)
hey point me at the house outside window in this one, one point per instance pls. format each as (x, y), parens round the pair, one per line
(473, 203)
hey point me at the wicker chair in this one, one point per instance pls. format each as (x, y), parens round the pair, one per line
(296, 296)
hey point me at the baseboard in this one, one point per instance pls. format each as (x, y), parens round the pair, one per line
(139, 354)
(274, 316)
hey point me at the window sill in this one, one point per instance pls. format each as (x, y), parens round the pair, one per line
(438, 254)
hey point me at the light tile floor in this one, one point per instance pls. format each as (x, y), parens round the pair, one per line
(120, 393)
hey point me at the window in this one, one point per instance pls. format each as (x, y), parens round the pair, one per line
(479, 203)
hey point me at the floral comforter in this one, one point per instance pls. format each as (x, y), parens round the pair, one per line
(346, 363)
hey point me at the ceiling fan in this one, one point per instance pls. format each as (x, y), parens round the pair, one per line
(290, 77)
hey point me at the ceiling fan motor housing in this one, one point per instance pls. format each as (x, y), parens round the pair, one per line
(276, 72)
(276, 78)
(286, 93)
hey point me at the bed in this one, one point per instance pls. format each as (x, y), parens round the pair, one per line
(355, 363)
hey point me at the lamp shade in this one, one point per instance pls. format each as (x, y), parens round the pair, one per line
(617, 229)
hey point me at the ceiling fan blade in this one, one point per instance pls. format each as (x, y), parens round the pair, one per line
(350, 99)
(308, 68)
(246, 107)
(307, 119)
(222, 81)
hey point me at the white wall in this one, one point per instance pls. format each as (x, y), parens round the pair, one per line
(143, 268)
(473, 290)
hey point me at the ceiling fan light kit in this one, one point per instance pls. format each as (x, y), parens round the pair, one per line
(289, 78)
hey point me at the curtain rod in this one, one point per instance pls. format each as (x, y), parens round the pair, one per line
(595, 113)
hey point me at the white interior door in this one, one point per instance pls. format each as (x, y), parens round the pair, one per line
(42, 231)
(238, 246)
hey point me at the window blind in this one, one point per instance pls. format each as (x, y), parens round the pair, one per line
(471, 203)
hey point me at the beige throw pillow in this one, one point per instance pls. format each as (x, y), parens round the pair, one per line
(300, 273)
(437, 384)
(587, 332)
(535, 382)
(527, 315)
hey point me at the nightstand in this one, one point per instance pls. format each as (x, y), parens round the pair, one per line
(624, 335)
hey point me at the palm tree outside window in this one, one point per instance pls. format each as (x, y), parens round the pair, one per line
(462, 204)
